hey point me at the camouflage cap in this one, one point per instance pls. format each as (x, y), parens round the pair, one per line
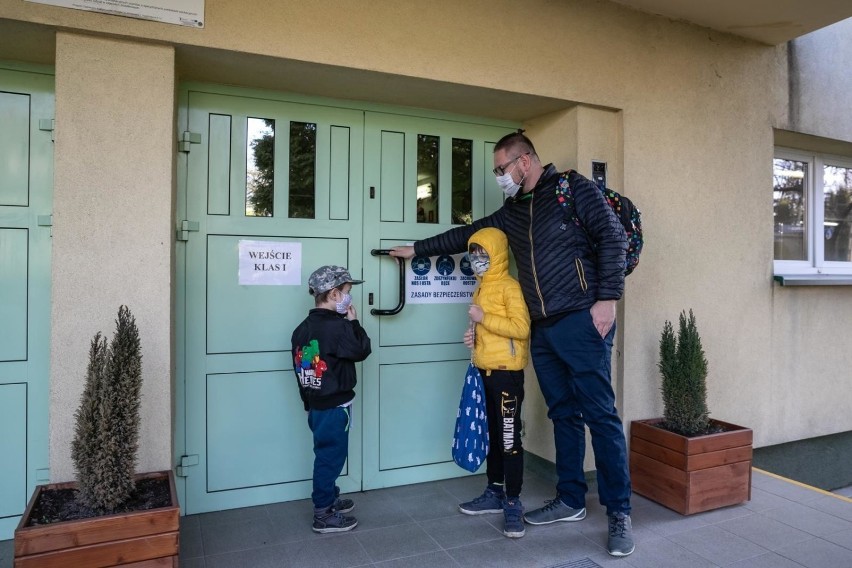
(328, 277)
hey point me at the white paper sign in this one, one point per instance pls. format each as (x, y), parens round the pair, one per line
(181, 12)
(270, 263)
(441, 279)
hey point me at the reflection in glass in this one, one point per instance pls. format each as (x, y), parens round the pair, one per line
(789, 208)
(837, 192)
(428, 148)
(303, 166)
(260, 167)
(462, 189)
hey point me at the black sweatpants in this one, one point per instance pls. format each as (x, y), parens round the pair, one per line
(504, 393)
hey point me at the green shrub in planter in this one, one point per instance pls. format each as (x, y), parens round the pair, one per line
(107, 429)
(684, 378)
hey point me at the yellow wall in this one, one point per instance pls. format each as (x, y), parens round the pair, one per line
(684, 116)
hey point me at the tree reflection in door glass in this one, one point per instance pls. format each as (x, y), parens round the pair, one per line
(260, 167)
(428, 149)
(303, 165)
(462, 188)
(837, 190)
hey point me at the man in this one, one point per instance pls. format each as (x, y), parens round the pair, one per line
(572, 275)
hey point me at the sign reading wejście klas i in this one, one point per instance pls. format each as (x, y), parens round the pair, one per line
(270, 263)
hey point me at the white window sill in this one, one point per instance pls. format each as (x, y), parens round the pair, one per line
(814, 279)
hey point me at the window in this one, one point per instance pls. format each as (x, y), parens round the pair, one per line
(812, 210)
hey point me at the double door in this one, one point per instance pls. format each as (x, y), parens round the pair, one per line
(274, 189)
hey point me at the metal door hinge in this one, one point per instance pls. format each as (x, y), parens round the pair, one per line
(186, 227)
(185, 462)
(48, 125)
(187, 139)
(45, 220)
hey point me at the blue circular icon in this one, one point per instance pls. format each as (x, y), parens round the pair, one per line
(464, 265)
(445, 265)
(421, 265)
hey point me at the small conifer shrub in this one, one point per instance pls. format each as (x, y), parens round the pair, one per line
(684, 378)
(107, 421)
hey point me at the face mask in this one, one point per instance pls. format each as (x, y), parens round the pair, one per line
(343, 305)
(508, 185)
(480, 264)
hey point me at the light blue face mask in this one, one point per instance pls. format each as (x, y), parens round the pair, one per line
(343, 304)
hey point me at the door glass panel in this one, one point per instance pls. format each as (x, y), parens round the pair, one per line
(789, 199)
(303, 166)
(427, 178)
(462, 181)
(837, 190)
(260, 167)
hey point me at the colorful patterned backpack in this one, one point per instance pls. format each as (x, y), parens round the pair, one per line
(628, 214)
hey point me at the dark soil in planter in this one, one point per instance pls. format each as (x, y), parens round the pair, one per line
(713, 428)
(57, 505)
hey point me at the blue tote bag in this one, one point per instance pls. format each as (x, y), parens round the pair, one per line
(470, 441)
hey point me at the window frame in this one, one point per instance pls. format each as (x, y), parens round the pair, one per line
(815, 263)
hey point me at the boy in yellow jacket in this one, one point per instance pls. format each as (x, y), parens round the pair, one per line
(499, 337)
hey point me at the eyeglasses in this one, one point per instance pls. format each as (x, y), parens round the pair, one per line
(501, 170)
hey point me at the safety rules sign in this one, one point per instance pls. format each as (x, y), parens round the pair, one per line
(445, 279)
(181, 12)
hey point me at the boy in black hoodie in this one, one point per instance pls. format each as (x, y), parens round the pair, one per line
(326, 346)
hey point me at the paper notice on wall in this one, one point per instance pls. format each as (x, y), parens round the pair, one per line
(181, 12)
(270, 263)
(445, 279)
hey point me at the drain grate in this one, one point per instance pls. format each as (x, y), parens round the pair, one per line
(581, 563)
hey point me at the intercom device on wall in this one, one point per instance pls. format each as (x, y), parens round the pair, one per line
(599, 173)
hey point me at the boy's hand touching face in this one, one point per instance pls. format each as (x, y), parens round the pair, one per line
(475, 312)
(351, 314)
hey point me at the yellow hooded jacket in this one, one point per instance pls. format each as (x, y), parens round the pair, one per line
(502, 337)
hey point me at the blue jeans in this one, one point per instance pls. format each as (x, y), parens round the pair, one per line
(331, 447)
(572, 362)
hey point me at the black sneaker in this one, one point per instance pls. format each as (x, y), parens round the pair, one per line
(333, 521)
(489, 502)
(513, 517)
(554, 511)
(343, 505)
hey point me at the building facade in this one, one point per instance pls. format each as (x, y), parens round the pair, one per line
(137, 167)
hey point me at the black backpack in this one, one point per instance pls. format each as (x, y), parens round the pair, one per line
(624, 209)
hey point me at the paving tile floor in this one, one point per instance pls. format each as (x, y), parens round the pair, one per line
(785, 525)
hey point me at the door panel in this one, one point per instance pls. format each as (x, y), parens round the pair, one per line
(243, 416)
(412, 382)
(26, 195)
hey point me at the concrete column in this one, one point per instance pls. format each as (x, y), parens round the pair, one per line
(113, 226)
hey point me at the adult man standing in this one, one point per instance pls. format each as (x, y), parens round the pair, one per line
(572, 275)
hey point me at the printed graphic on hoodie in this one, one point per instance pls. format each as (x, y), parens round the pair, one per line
(310, 366)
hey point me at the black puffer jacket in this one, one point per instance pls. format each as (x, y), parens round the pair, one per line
(561, 267)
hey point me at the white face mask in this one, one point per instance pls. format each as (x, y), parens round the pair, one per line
(343, 305)
(479, 264)
(508, 185)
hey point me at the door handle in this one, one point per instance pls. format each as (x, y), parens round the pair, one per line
(401, 304)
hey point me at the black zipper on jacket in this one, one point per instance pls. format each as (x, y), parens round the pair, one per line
(532, 257)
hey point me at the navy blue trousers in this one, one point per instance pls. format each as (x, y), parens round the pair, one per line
(572, 362)
(331, 447)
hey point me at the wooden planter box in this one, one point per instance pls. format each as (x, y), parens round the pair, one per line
(141, 539)
(691, 475)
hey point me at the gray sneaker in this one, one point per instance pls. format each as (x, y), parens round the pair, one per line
(489, 502)
(332, 521)
(513, 516)
(554, 511)
(620, 541)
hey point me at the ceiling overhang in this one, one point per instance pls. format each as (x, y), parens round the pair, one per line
(767, 21)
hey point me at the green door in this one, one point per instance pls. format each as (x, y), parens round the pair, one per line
(275, 189)
(424, 176)
(26, 190)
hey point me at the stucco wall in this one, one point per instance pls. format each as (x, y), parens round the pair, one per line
(112, 233)
(693, 114)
